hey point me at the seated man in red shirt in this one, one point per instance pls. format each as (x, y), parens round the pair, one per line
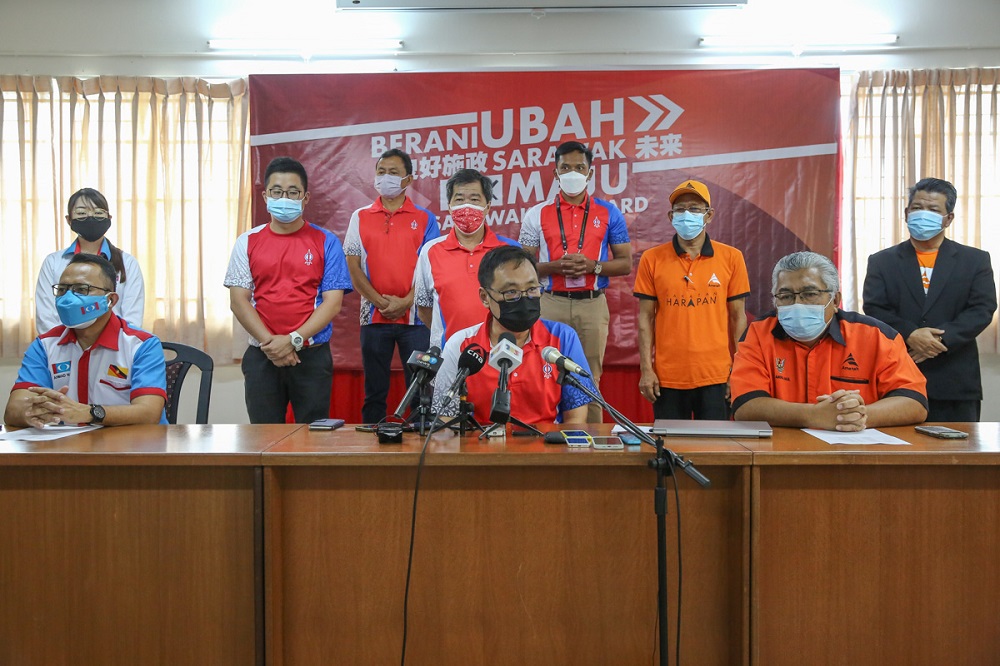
(812, 365)
(510, 290)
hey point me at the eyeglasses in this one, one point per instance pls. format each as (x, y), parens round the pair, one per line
(83, 213)
(697, 210)
(278, 193)
(78, 289)
(808, 296)
(513, 295)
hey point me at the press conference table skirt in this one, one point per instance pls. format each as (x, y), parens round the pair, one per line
(274, 544)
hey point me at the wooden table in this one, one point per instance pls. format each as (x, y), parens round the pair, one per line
(133, 546)
(195, 544)
(525, 553)
(876, 554)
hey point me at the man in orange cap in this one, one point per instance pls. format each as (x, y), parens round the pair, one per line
(692, 293)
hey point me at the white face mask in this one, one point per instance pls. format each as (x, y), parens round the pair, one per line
(388, 185)
(573, 183)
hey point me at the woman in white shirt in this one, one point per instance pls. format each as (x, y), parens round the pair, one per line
(89, 218)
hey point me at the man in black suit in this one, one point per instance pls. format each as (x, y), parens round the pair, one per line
(939, 295)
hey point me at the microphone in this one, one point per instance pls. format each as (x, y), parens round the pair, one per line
(505, 356)
(425, 364)
(470, 362)
(553, 356)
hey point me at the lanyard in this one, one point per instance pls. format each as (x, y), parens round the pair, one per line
(562, 229)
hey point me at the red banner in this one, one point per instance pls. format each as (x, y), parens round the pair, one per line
(766, 142)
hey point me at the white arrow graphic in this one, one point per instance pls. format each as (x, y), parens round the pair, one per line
(673, 112)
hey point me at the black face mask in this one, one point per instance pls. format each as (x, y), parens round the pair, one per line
(91, 228)
(520, 315)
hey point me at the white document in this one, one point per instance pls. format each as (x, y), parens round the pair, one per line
(864, 437)
(44, 434)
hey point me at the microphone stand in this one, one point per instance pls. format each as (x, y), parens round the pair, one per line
(666, 461)
(465, 420)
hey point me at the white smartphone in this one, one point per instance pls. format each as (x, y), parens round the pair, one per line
(608, 444)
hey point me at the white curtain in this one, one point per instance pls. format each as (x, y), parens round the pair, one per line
(170, 155)
(906, 125)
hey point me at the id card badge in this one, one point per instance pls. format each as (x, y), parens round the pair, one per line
(576, 282)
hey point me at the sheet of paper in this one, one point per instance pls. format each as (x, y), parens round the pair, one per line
(867, 436)
(617, 430)
(46, 433)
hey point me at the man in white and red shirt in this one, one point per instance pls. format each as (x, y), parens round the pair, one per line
(94, 367)
(287, 280)
(580, 241)
(446, 283)
(382, 243)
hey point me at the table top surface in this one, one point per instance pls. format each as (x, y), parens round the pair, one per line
(295, 444)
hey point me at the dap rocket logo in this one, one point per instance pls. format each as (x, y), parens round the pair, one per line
(309, 258)
(413, 225)
(61, 369)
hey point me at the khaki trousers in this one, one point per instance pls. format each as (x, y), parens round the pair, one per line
(590, 318)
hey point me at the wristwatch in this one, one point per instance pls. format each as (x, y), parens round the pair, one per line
(97, 414)
(297, 340)
(598, 267)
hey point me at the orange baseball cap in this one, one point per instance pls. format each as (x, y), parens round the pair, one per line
(691, 187)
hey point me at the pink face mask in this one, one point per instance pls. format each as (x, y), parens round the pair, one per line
(468, 218)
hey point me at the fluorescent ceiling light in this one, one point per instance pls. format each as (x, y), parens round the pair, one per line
(308, 47)
(769, 43)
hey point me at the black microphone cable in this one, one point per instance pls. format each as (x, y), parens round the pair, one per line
(469, 352)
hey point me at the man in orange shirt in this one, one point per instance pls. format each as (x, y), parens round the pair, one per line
(691, 295)
(812, 365)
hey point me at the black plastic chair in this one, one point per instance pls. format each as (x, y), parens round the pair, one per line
(177, 369)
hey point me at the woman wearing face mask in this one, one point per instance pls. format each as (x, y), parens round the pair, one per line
(88, 216)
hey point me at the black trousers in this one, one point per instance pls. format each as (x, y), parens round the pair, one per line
(378, 341)
(306, 386)
(705, 403)
(965, 411)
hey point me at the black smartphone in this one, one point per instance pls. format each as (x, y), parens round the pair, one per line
(326, 424)
(942, 432)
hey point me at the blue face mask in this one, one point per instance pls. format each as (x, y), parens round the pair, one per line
(76, 311)
(803, 322)
(688, 225)
(284, 210)
(924, 224)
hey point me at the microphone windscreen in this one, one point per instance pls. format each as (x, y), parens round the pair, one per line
(551, 355)
(554, 437)
(472, 359)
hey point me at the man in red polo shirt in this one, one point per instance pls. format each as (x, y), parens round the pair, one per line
(382, 244)
(510, 294)
(814, 366)
(580, 241)
(445, 287)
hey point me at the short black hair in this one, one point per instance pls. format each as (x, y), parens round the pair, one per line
(90, 194)
(396, 152)
(287, 165)
(574, 147)
(97, 260)
(463, 176)
(499, 256)
(936, 186)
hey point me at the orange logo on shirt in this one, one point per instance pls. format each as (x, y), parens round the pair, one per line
(117, 371)
(779, 364)
(714, 281)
